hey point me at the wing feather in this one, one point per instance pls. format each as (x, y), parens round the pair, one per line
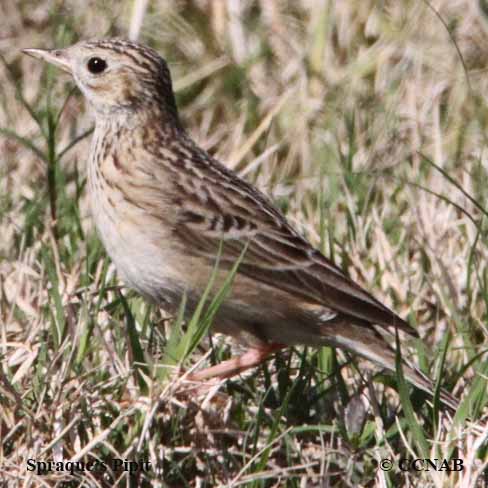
(229, 210)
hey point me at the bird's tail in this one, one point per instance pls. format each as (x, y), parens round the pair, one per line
(365, 341)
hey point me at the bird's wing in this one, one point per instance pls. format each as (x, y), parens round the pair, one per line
(218, 208)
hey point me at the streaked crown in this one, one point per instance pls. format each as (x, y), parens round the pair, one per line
(117, 75)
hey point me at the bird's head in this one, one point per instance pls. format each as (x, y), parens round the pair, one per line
(116, 75)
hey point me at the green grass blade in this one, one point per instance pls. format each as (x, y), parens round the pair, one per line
(138, 359)
(414, 426)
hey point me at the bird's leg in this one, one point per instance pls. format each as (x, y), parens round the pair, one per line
(231, 367)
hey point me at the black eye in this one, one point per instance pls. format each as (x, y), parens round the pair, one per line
(96, 65)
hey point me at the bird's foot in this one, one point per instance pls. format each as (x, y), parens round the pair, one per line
(208, 380)
(231, 367)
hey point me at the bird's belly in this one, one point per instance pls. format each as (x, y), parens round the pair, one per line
(140, 251)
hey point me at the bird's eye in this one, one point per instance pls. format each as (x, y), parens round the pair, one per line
(96, 65)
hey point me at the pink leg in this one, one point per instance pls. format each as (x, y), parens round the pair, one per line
(234, 366)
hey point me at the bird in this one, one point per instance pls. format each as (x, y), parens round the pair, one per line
(166, 211)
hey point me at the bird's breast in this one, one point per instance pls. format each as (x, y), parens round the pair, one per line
(134, 226)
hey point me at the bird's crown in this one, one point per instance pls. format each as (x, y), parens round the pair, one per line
(117, 75)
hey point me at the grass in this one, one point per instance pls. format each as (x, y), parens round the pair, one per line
(372, 120)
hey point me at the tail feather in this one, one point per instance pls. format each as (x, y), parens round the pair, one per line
(364, 340)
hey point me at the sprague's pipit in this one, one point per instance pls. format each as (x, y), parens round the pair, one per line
(164, 209)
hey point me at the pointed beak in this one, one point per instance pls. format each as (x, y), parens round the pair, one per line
(57, 57)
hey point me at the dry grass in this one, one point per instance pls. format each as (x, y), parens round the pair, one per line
(366, 122)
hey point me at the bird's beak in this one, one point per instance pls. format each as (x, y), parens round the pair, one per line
(57, 57)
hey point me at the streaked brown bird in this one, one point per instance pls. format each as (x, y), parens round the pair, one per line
(165, 208)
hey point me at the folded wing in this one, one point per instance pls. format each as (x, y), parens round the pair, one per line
(224, 209)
